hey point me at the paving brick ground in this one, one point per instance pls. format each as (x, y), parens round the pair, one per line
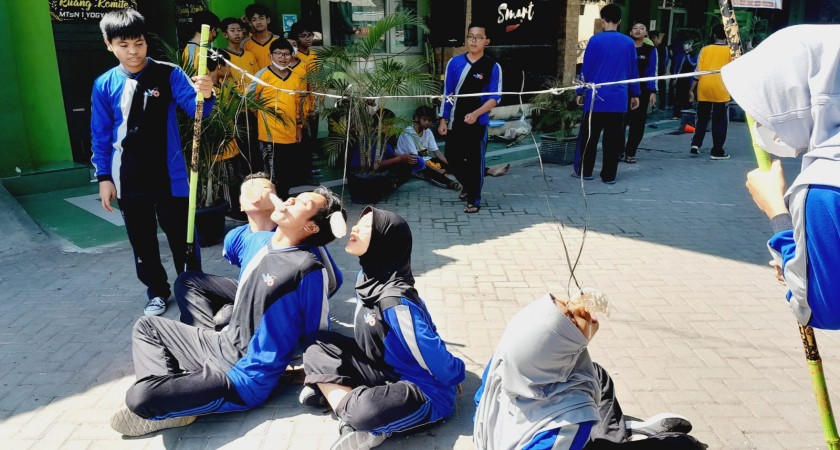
(698, 325)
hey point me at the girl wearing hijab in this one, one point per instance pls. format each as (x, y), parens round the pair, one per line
(396, 374)
(795, 102)
(542, 391)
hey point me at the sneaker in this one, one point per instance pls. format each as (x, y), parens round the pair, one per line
(695, 150)
(719, 157)
(155, 306)
(127, 423)
(609, 182)
(312, 397)
(660, 423)
(356, 440)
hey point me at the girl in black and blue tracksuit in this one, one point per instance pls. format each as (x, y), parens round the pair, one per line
(401, 374)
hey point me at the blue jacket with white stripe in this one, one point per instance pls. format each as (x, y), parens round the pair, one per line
(134, 129)
(401, 333)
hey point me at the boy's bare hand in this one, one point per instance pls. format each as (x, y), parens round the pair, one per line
(442, 128)
(460, 390)
(107, 192)
(204, 85)
(409, 158)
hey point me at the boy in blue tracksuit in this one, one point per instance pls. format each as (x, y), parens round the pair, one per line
(610, 56)
(184, 371)
(137, 149)
(464, 122)
(396, 374)
(206, 300)
(647, 61)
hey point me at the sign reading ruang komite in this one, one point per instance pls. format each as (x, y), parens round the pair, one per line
(518, 22)
(85, 10)
(774, 4)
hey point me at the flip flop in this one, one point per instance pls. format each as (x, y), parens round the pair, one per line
(472, 209)
(463, 195)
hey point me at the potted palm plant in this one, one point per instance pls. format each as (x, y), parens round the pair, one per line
(557, 115)
(359, 122)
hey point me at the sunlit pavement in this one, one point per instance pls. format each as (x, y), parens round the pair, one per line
(698, 326)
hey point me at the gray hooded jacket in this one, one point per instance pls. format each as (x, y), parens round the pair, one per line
(540, 378)
(790, 85)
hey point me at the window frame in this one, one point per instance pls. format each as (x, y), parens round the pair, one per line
(392, 47)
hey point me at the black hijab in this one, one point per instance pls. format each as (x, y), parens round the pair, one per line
(386, 265)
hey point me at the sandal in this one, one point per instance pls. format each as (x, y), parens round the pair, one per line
(630, 159)
(472, 209)
(462, 195)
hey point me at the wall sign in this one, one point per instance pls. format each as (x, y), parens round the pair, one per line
(518, 22)
(773, 4)
(85, 10)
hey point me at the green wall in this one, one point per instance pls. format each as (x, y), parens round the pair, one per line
(33, 109)
(14, 149)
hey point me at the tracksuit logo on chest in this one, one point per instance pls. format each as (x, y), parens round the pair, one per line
(268, 279)
(370, 318)
(478, 76)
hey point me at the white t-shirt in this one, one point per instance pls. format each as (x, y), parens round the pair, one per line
(410, 142)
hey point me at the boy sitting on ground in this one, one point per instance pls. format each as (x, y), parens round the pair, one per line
(418, 143)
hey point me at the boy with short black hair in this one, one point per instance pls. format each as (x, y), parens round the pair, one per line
(244, 59)
(610, 56)
(184, 371)
(190, 52)
(137, 150)
(465, 122)
(712, 96)
(280, 136)
(259, 16)
(418, 147)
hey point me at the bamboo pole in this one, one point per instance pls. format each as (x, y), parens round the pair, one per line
(199, 113)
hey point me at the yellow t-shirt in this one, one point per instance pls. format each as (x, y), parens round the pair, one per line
(272, 129)
(710, 88)
(308, 59)
(302, 68)
(224, 97)
(248, 62)
(261, 51)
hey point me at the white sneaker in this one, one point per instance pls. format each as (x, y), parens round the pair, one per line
(127, 423)
(155, 306)
(660, 423)
(358, 440)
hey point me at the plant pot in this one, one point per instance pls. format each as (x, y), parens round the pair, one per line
(558, 151)
(368, 188)
(210, 224)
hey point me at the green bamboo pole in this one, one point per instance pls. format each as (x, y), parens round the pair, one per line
(199, 110)
(809, 341)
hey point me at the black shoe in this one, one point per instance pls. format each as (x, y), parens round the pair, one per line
(720, 156)
(695, 150)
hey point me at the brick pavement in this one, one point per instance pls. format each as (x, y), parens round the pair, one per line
(698, 324)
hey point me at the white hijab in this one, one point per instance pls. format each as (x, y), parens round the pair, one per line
(790, 85)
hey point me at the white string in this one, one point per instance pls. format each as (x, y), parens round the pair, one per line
(451, 97)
